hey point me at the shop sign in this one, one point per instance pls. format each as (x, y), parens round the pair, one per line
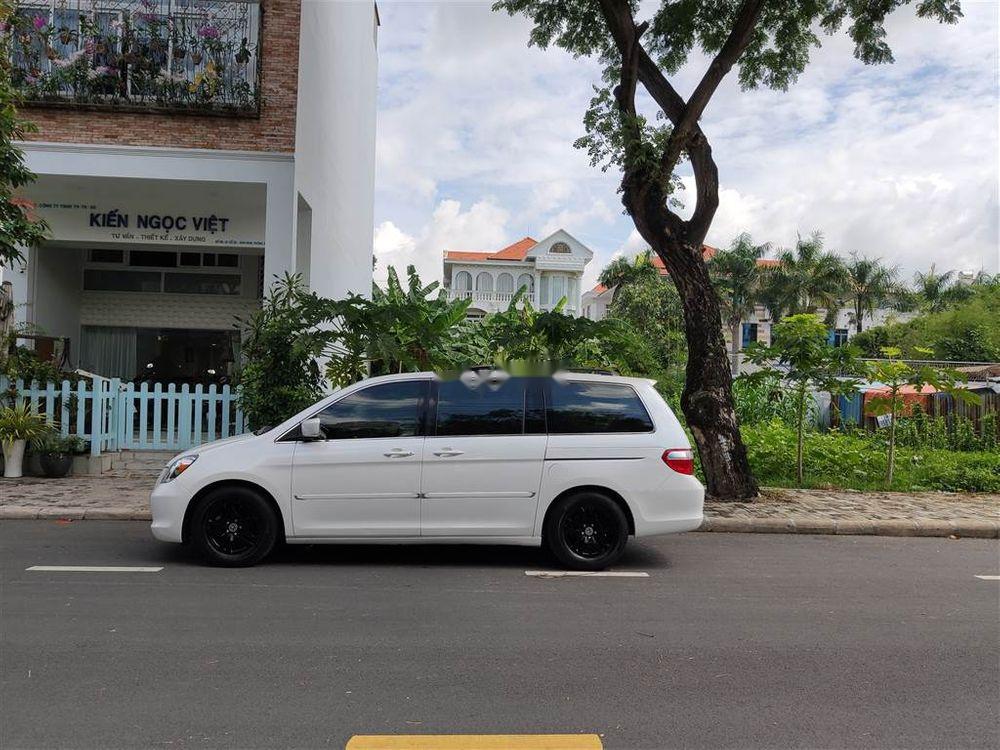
(235, 226)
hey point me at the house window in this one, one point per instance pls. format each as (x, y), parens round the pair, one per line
(749, 334)
(152, 258)
(545, 290)
(484, 282)
(505, 283)
(202, 283)
(526, 281)
(122, 281)
(463, 281)
(560, 247)
(837, 336)
(156, 274)
(98, 255)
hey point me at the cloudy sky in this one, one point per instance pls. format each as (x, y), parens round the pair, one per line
(475, 139)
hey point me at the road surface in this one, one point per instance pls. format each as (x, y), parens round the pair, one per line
(730, 640)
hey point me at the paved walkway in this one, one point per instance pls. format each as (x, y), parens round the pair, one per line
(778, 511)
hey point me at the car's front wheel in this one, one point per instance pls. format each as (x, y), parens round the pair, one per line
(586, 531)
(234, 527)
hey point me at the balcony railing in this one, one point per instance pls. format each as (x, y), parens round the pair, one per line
(494, 299)
(198, 56)
(501, 300)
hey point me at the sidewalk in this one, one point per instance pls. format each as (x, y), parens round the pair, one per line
(782, 511)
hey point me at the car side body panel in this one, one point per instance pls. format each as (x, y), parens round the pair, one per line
(629, 465)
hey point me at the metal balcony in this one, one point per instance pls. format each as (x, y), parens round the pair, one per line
(197, 56)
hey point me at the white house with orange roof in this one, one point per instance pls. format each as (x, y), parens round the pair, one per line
(548, 269)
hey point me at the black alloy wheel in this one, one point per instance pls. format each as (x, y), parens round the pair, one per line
(234, 527)
(586, 531)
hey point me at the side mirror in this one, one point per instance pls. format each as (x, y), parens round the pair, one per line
(310, 429)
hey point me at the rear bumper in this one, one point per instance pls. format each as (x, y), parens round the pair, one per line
(672, 510)
(673, 526)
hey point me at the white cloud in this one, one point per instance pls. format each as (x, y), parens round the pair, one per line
(481, 227)
(897, 161)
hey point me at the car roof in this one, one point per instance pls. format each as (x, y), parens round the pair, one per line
(589, 377)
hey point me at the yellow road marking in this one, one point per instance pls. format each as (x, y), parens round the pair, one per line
(474, 742)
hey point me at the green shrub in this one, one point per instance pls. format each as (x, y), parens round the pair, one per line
(967, 332)
(53, 442)
(858, 461)
(280, 374)
(763, 400)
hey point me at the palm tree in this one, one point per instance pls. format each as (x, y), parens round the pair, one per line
(622, 271)
(869, 285)
(936, 291)
(805, 280)
(737, 277)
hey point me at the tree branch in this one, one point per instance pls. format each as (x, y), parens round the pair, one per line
(687, 134)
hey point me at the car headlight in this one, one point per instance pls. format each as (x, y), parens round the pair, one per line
(178, 467)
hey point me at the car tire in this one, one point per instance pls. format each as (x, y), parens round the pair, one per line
(234, 527)
(586, 531)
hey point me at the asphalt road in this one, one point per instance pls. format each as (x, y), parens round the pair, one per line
(732, 641)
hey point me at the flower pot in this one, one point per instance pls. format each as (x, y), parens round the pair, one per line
(13, 457)
(56, 464)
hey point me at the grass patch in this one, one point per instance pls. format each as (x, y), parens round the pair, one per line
(834, 459)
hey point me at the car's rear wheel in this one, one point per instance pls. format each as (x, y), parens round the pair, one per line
(234, 527)
(586, 531)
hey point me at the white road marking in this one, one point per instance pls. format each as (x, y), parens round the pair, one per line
(92, 569)
(586, 573)
(989, 578)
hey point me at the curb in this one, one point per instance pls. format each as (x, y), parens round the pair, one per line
(73, 514)
(854, 526)
(860, 526)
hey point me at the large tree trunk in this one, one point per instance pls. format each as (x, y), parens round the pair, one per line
(707, 399)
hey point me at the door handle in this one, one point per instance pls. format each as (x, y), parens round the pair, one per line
(447, 452)
(398, 453)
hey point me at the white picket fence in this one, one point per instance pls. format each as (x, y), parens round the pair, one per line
(113, 416)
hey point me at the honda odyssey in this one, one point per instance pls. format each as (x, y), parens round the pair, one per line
(575, 463)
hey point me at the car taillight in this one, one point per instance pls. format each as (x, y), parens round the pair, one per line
(680, 460)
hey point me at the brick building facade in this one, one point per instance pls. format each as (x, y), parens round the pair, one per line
(201, 150)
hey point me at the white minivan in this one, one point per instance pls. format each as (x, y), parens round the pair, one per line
(574, 462)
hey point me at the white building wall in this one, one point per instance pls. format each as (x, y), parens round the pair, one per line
(335, 142)
(197, 311)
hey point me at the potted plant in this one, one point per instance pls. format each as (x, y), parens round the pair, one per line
(17, 426)
(55, 453)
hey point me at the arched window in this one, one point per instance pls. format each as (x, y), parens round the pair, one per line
(505, 283)
(526, 281)
(484, 282)
(463, 281)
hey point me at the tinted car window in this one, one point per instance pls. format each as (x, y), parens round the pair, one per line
(596, 407)
(387, 410)
(484, 410)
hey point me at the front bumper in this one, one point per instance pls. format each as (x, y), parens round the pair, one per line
(168, 503)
